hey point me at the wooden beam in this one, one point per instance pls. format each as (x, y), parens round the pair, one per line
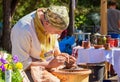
(103, 28)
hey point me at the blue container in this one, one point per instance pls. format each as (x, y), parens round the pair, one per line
(66, 44)
(113, 35)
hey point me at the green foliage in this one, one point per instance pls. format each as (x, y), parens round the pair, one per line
(10, 63)
(2, 76)
(83, 13)
(79, 20)
(83, 9)
(27, 6)
(16, 76)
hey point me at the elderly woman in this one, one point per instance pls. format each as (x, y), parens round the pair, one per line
(34, 39)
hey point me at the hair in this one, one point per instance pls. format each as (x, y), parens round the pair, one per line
(112, 3)
(47, 41)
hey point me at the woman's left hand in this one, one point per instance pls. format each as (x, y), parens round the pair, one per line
(57, 61)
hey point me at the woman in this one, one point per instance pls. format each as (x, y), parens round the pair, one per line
(34, 38)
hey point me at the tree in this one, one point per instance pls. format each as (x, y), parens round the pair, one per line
(8, 10)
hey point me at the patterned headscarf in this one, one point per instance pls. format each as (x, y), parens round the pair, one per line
(57, 16)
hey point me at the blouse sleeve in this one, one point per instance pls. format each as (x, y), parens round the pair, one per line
(20, 39)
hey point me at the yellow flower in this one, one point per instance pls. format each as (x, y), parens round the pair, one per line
(19, 65)
(7, 66)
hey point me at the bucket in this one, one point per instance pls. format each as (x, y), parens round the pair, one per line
(112, 42)
(72, 75)
(97, 69)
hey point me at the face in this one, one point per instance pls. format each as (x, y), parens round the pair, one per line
(49, 28)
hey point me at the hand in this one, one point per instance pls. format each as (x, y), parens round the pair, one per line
(64, 55)
(57, 61)
(70, 62)
(68, 57)
(72, 59)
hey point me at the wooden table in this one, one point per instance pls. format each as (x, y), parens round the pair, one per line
(92, 55)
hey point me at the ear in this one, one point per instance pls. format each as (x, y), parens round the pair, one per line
(43, 20)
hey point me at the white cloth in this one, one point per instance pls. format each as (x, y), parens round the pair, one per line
(113, 57)
(92, 55)
(24, 40)
(118, 79)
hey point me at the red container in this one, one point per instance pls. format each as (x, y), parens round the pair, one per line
(86, 44)
(108, 37)
(116, 42)
(112, 42)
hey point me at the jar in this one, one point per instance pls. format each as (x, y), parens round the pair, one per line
(99, 40)
(104, 40)
(86, 44)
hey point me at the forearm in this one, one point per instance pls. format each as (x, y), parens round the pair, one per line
(44, 64)
(38, 63)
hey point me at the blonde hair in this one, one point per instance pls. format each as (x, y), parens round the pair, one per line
(47, 41)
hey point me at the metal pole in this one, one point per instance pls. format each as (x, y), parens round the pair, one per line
(71, 15)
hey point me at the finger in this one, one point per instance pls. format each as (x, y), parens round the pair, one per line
(60, 59)
(73, 58)
(65, 54)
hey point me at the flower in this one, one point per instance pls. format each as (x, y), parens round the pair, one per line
(9, 62)
(19, 65)
(2, 67)
(15, 58)
(8, 66)
(3, 60)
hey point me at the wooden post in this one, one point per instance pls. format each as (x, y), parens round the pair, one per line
(103, 28)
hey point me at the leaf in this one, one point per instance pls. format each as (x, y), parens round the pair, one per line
(16, 76)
